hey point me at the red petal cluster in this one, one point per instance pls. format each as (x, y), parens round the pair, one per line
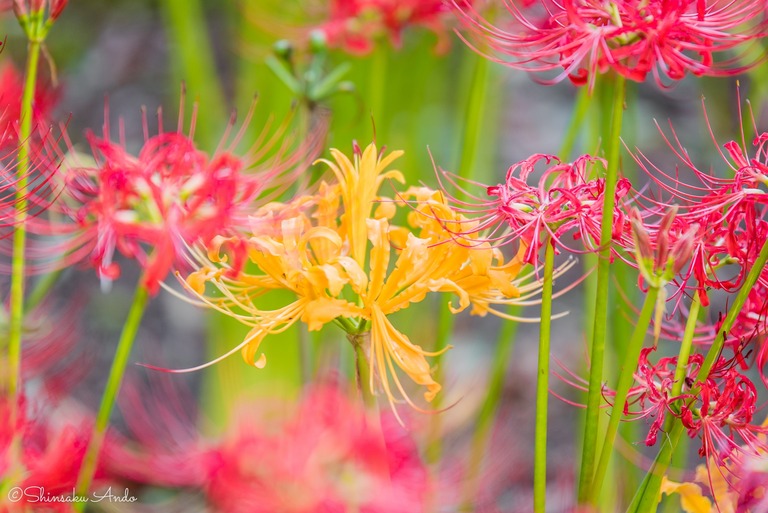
(150, 207)
(719, 411)
(583, 38)
(564, 200)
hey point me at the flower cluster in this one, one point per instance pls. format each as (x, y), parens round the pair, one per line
(328, 455)
(341, 254)
(564, 201)
(48, 460)
(584, 38)
(719, 410)
(151, 206)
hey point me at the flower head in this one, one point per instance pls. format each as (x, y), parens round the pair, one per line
(356, 24)
(584, 38)
(152, 205)
(563, 201)
(346, 261)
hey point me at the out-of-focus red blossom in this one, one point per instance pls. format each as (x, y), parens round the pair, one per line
(151, 206)
(329, 456)
(584, 38)
(52, 451)
(354, 25)
(11, 87)
(564, 200)
(49, 340)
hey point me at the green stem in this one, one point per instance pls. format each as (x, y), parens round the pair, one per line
(363, 367)
(542, 385)
(601, 307)
(444, 329)
(471, 142)
(473, 116)
(191, 47)
(378, 78)
(647, 496)
(626, 378)
(16, 320)
(685, 346)
(116, 372)
(575, 127)
(501, 357)
(41, 289)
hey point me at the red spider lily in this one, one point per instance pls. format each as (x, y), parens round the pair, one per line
(664, 38)
(564, 200)
(356, 24)
(652, 396)
(719, 410)
(51, 454)
(150, 207)
(722, 414)
(329, 455)
(729, 211)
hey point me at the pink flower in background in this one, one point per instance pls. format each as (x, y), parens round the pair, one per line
(355, 25)
(580, 39)
(52, 450)
(328, 454)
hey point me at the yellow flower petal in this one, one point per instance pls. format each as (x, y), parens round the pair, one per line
(691, 498)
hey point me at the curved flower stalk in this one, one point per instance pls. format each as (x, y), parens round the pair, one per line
(346, 262)
(325, 454)
(150, 206)
(579, 39)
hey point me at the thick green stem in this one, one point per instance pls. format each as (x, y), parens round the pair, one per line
(473, 117)
(647, 496)
(377, 82)
(16, 307)
(542, 385)
(116, 372)
(625, 381)
(601, 308)
(20, 234)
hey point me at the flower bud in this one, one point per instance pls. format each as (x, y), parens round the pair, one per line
(57, 6)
